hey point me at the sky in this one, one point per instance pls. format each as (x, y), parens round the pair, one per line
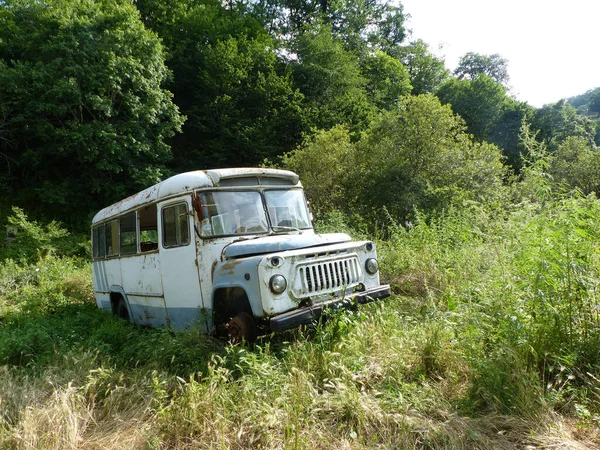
(552, 47)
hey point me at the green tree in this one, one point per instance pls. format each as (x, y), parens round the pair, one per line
(560, 120)
(420, 156)
(229, 81)
(387, 79)
(427, 71)
(86, 111)
(325, 162)
(330, 78)
(359, 24)
(576, 163)
(480, 101)
(505, 133)
(594, 105)
(244, 110)
(490, 113)
(582, 102)
(473, 64)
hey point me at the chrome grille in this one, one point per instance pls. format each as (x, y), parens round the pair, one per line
(325, 276)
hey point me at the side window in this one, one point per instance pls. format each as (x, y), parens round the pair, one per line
(148, 229)
(98, 242)
(176, 230)
(128, 235)
(112, 238)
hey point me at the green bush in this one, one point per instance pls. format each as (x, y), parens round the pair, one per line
(34, 240)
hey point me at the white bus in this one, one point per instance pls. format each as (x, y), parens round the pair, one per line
(232, 251)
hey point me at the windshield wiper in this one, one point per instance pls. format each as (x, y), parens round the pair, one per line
(275, 228)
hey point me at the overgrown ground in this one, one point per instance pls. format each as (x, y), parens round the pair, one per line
(491, 341)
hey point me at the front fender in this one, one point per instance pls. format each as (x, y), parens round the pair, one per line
(242, 273)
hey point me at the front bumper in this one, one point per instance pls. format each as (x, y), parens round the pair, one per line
(308, 314)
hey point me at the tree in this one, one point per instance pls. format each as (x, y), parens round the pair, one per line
(490, 113)
(387, 79)
(229, 81)
(560, 120)
(427, 71)
(325, 162)
(360, 24)
(420, 156)
(331, 80)
(82, 88)
(244, 111)
(479, 101)
(505, 133)
(576, 163)
(594, 105)
(582, 102)
(473, 64)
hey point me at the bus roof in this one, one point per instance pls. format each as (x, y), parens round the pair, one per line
(198, 179)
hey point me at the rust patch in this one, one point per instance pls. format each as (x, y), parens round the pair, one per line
(197, 205)
(228, 267)
(212, 270)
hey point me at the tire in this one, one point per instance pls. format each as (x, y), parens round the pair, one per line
(121, 310)
(242, 328)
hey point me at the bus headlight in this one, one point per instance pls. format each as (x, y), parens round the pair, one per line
(372, 266)
(278, 284)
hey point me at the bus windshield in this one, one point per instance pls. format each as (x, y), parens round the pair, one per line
(287, 209)
(243, 212)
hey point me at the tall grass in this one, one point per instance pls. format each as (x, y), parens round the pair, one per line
(491, 341)
(519, 289)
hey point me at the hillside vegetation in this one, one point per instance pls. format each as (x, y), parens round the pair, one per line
(484, 209)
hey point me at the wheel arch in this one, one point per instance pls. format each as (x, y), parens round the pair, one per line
(117, 293)
(229, 301)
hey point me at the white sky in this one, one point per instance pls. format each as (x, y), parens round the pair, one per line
(552, 47)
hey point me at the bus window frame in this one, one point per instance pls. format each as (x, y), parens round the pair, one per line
(163, 228)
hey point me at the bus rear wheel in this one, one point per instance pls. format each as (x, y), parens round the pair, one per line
(242, 328)
(121, 310)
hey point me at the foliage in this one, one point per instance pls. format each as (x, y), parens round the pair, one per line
(427, 71)
(479, 101)
(505, 132)
(387, 79)
(583, 102)
(560, 120)
(577, 164)
(325, 161)
(87, 116)
(419, 157)
(330, 78)
(33, 241)
(416, 156)
(359, 24)
(228, 80)
(594, 106)
(242, 106)
(490, 114)
(471, 65)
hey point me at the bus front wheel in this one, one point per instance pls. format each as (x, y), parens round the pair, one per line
(241, 328)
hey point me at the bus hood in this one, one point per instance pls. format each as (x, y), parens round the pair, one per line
(278, 243)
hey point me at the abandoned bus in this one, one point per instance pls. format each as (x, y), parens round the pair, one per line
(231, 251)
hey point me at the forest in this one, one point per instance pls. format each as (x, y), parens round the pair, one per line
(484, 210)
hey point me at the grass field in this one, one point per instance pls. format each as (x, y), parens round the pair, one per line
(492, 340)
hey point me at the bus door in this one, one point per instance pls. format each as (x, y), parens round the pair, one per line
(141, 270)
(179, 266)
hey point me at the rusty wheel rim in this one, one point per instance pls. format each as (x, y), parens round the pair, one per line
(241, 328)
